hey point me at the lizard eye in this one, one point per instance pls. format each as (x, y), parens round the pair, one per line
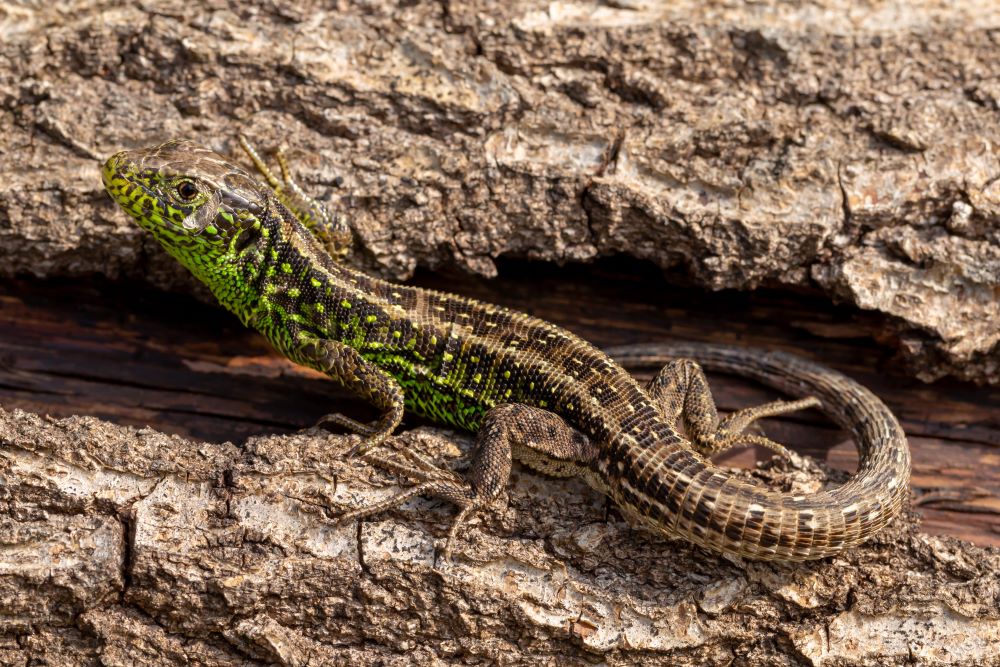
(187, 190)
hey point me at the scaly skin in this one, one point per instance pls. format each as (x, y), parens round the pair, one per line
(532, 390)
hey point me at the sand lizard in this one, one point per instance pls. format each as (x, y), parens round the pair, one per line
(532, 391)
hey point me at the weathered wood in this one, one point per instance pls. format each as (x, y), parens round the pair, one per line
(182, 367)
(847, 149)
(125, 547)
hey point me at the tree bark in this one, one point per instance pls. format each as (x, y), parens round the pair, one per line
(126, 546)
(848, 148)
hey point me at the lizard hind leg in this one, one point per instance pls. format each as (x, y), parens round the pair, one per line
(682, 393)
(541, 438)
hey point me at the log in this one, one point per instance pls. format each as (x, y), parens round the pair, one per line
(131, 547)
(816, 155)
(850, 150)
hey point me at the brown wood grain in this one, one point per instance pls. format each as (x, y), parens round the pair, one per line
(136, 356)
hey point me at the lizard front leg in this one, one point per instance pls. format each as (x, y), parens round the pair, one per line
(541, 439)
(346, 365)
(682, 393)
(330, 229)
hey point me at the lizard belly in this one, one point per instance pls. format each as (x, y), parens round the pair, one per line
(442, 403)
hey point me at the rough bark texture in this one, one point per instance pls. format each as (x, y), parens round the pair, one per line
(841, 147)
(132, 547)
(142, 357)
(852, 147)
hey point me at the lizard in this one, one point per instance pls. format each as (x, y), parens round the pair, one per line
(530, 390)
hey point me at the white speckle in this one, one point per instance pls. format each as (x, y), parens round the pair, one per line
(853, 507)
(756, 508)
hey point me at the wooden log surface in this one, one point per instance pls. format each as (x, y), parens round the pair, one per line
(846, 148)
(146, 358)
(842, 152)
(218, 545)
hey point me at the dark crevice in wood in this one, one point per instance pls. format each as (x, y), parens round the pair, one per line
(138, 356)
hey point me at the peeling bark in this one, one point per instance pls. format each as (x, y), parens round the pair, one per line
(849, 148)
(127, 546)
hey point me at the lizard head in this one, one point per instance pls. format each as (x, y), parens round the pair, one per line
(206, 211)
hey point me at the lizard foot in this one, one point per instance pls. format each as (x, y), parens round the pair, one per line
(731, 431)
(373, 433)
(432, 480)
(682, 392)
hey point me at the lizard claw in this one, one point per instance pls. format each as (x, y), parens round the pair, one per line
(373, 433)
(461, 518)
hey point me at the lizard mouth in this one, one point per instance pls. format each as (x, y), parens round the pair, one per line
(122, 181)
(118, 175)
(111, 174)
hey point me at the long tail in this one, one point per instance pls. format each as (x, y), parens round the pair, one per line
(763, 524)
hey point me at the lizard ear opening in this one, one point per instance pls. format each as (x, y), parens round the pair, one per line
(246, 238)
